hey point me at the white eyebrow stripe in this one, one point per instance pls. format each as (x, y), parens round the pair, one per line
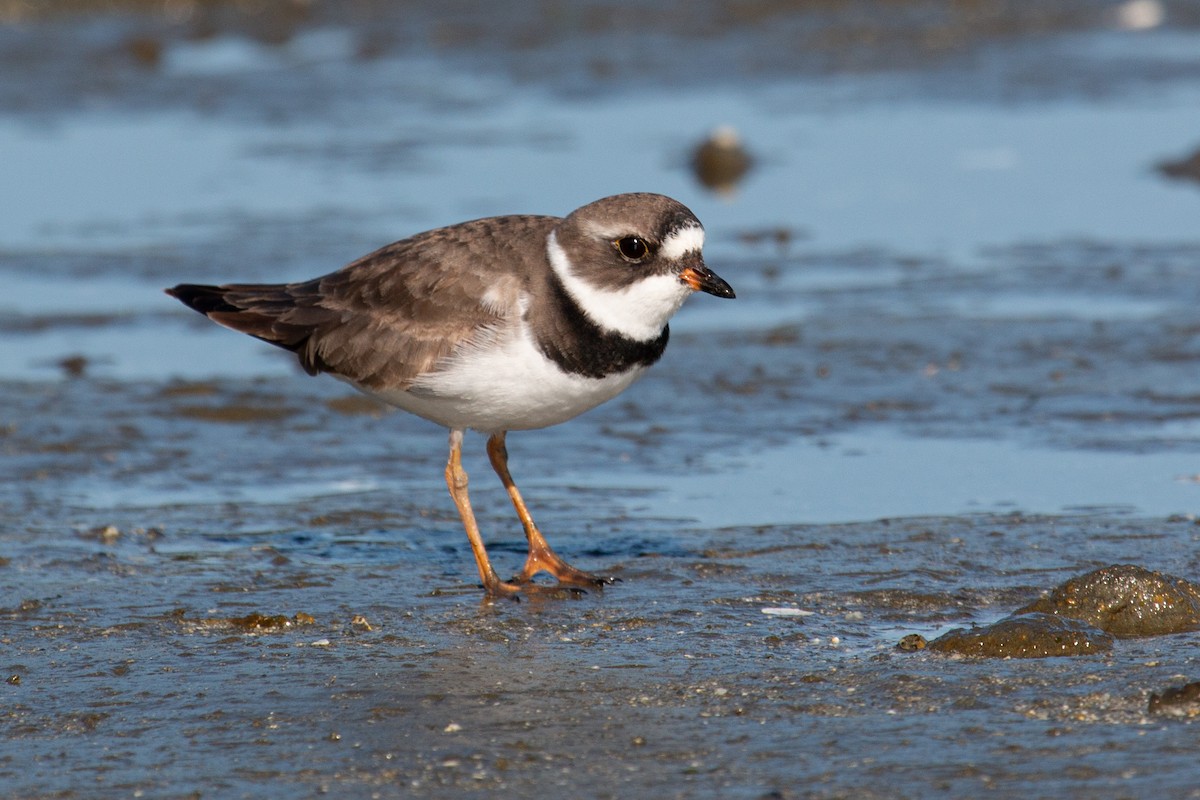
(681, 242)
(604, 232)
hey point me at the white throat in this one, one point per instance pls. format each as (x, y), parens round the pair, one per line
(640, 311)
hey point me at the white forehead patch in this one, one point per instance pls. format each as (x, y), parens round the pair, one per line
(682, 242)
(639, 311)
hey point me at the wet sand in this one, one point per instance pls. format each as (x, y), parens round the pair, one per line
(225, 579)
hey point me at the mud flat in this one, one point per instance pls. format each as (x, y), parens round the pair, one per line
(957, 392)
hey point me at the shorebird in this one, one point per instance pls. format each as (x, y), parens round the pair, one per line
(498, 324)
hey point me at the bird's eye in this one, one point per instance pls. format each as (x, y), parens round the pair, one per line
(633, 248)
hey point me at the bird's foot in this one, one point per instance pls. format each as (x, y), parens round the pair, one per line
(570, 582)
(563, 573)
(515, 589)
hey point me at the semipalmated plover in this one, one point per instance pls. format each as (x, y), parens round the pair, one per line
(500, 324)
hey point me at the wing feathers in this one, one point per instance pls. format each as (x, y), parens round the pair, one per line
(394, 314)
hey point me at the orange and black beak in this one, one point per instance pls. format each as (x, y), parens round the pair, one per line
(703, 279)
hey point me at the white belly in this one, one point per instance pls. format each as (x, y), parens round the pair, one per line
(509, 386)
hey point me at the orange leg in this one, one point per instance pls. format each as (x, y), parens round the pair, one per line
(541, 556)
(456, 480)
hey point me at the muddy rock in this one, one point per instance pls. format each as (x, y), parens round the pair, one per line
(1125, 600)
(720, 161)
(1025, 636)
(1184, 169)
(1183, 701)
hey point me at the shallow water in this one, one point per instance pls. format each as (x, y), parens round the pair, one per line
(960, 369)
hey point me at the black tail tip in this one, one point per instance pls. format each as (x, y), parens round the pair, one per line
(202, 298)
